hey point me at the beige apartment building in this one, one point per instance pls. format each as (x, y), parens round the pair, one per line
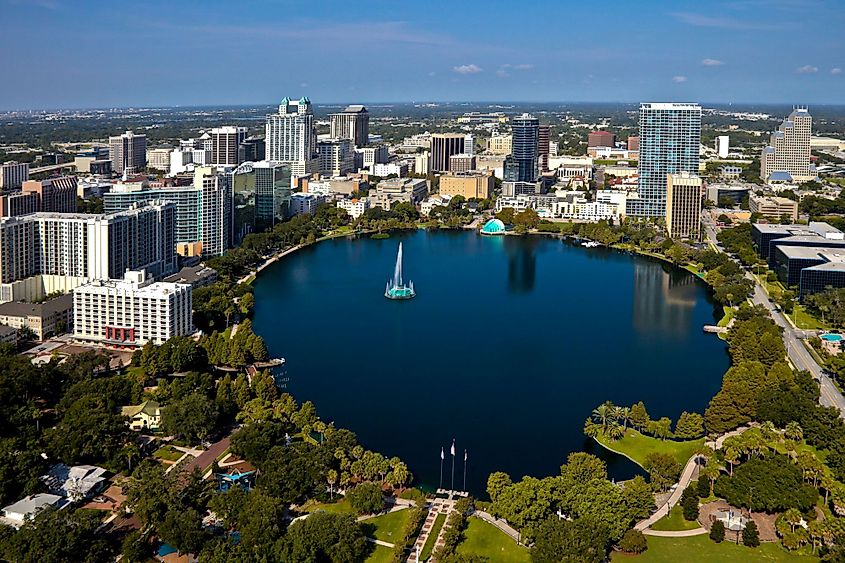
(500, 144)
(773, 207)
(683, 205)
(468, 184)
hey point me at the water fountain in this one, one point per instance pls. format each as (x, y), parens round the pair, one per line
(396, 288)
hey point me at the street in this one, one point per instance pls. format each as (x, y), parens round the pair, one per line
(792, 339)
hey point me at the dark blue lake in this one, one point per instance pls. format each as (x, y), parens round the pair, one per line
(508, 346)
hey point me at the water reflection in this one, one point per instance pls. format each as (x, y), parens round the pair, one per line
(663, 299)
(522, 264)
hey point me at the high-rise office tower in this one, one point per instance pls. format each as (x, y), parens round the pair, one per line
(252, 149)
(337, 156)
(670, 135)
(443, 146)
(224, 145)
(13, 174)
(544, 140)
(469, 144)
(290, 137)
(522, 166)
(723, 146)
(787, 156)
(352, 123)
(128, 153)
(683, 205)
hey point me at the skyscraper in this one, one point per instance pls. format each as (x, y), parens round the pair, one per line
(544, 141)
(443, 146)
(788, 150)
(683, 205)
(352, 123)
(337, 156)
(252, 149)
(290, 137)
(523, 164)
(224, 145)
(670, 135)
(128, 153)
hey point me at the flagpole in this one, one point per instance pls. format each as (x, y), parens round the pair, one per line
(453, 464)
(441, 468)
(465, 470)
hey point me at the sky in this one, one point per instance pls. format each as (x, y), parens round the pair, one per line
(152, 53)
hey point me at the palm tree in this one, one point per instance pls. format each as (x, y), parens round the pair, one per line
(815, 529)
(731, 457)
(792, 517)
(591, 429)
(614, 431)
(793, 431)
(768, 430)
(603, 414)
(624, 416)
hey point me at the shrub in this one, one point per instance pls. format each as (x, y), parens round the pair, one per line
(634, 541)
(689, 503)
(717, 532)
(366, 498)
(703, 487)
(750, 535)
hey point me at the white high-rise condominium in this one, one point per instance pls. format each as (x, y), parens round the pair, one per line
(723, 144)
(787, 156)
(291, 138)
(128, 153)
(224, 145)
(670, 135)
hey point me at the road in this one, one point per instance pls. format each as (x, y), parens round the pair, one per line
(792, 338)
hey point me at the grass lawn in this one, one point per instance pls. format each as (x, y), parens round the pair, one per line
(339, 507)
(726, 318)
(702, 549)
(168, 453)
(389, 527)
(432, 537)
(636, 446)
(380, 555)
(486, 540)
(675, 521)
(803, 319)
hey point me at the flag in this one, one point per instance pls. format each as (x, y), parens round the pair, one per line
(465, 455)
(441, 453)
(453, 447)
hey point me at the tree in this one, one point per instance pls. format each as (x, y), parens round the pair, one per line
(770, 484)
(366, 498)
(323, 536)
(193, 418)
(89, 432)
(639, 416)
(634, 541)
(689, 502)
(663, 469)
(717, 531)
(578, 541)
(661, 428)
(690, 425)
(497, 483)
(750, 535)
(506, 215)
(793, 431)
(63, 536)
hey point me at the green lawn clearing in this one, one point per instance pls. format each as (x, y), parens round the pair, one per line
(380, 555)
(702, 549)
(636, 446)
(389, 527)
(168, 453)
(675, 521)
(339, 507)
(485, 540)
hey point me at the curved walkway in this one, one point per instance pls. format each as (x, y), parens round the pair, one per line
(500, 523)
(676, 533)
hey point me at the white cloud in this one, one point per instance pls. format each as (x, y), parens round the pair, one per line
(679, 79)
(807, 69)
(501, 73)
(836, 70)
(712, 62)
(467, 69)
(720, 22)
(432, 73)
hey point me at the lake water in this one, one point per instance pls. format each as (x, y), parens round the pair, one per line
(508, 346)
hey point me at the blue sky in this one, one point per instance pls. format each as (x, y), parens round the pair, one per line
(92, 53)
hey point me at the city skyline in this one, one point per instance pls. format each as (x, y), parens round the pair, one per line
(732, 52)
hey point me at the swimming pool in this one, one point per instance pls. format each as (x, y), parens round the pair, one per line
(830, 337)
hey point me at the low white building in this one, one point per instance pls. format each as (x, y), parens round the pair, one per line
(569, 205)
(354, 207)
(27, 508)
(431, 202)
(132, 311)
(75, 483)
(400, 170)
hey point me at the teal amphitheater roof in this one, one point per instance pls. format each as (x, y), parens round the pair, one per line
(493, 227)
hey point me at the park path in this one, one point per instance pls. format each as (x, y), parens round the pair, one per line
(678, 491)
